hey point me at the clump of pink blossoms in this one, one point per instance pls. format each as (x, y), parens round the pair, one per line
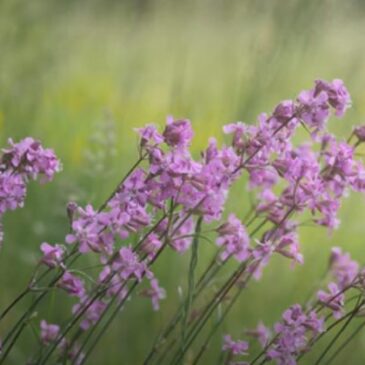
(19, 163)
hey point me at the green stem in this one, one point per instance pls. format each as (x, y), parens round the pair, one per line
(328, 348)
(208, 310)
(345, 343)
(191, 284)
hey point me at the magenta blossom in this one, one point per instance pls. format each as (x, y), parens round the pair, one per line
(156, 293)
(235, 347)
(261, 333)
(12, 191)
(234, 240)
(343, 268)
(72, 284)
(128, 265)
(49, 332)
(92, 313)
(293, 335)
(52, 255)
(338, 96)
(29, 158)
(178, 133)
(334, 299)
(149, 135)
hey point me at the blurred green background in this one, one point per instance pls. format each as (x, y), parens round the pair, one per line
(80, 75)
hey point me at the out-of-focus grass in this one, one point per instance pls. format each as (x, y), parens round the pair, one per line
(65, 66)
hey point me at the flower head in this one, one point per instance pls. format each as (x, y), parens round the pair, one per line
(234, 239)
(178, 133)
(334, 299)
(72, 284)
(52, 255)
(235, 347)
(28, 157)
(343, 268)
(49, 332)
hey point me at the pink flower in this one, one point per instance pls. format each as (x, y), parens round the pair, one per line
(314, 108)
(284, 111)
(338, 96)
(178, 133)
(292, 338)
(29, 158)
(52, 255)
(92, 313)
(343, 268)
(72, 284)
(156, 293)
(235, 347)
(149, 135)
(238, 130)
(334, 300)
(12, 191)
(314, 104)
(182, 238)
(151, 245)
(261, 332)
(128, 265)
(88, 230)
(49, 332)
(288, 246)
(234, 239)
(359, 132)
(262, 254)
(315, 324)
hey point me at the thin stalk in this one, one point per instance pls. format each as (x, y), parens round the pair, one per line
(339, 333)
(173, 341)
(30, 309)
(28, 312)
(106, 325)
(14, 303)
(103, 315)
(201, 284)
(209, 309)
(18, 328)
(345, 343)
(191, 284)
(215, 327)
(68, 327)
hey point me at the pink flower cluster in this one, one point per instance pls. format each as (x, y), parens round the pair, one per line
(235, 348)
(49, 334)
(291, 337)
(234, 238)
(345, 273)
(298, 330)
(293, 334)
(19, 163)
